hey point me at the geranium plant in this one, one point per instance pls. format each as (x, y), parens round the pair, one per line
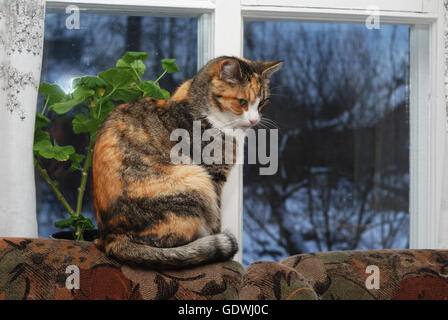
(94, 97)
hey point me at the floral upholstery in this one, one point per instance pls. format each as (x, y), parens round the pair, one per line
(403, 274)
(36, 269)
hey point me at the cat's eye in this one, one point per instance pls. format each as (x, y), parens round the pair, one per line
(242, 102)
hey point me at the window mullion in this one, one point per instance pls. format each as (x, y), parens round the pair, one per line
(227, 40)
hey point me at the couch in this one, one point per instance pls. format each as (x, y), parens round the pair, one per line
(43, 269)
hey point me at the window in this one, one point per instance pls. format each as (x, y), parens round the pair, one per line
(417, 108)
(341, 105)
(101, 40)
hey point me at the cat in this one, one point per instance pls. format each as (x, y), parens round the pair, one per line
(152, 212)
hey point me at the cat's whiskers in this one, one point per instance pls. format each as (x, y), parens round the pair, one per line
(269, 122)
(278, 94)
(277, 87)
(260, 125)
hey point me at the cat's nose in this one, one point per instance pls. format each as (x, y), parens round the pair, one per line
(253, 121)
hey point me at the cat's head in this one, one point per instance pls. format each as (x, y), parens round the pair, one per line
(238, 92)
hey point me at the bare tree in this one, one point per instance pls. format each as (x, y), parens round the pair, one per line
(340, 107)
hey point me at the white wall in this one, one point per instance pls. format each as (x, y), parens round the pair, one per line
(443, 238)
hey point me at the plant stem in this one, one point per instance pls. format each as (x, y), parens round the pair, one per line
(45, 107)
(82, 187)
(160, 77)
(53, 187)
(138, 77)
(99, 109)
(140, 89)
(110, 93)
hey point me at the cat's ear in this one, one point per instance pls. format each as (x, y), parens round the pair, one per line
(230, 71)
(269, 67)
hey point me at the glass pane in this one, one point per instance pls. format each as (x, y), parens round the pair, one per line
(95, 47)
(341, 105)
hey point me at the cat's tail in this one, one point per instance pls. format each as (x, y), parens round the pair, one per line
(212, 248)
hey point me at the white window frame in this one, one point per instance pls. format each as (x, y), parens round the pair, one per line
(220, 32)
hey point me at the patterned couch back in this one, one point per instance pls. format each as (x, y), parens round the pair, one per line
(53, 269)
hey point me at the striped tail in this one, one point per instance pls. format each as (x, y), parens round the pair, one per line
(212, 248)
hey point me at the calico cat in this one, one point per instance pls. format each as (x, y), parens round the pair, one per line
(153, 212)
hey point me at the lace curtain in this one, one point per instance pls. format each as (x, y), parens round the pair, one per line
(21, 42)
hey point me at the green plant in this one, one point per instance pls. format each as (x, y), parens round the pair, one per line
(93, 97)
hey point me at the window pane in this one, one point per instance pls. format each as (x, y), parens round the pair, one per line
(341, 104)
(95, 47)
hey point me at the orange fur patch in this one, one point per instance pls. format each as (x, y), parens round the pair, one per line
(181, 93)
(106, 164)
(229, 96)
(161, 103)
(176, 179)
(187, 227)
(118, 219)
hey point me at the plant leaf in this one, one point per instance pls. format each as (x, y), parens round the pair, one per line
(169, 65)
(66, 106)
(41, 121)
(106, 107)
(44, 148)
(126, 94)
(133, 61)
(121, 84)
(40, 135)
(76, 160)
(89, 82)
(53, 93)
(152, 89)
(136, 66)
(166, 94)
(49, 151)
(78, 96)
(82, 93)
(86, 222)
(62, 153)
(73, 221)
(116, 78)
(65, 223)
(131, 56)
(82, 123)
